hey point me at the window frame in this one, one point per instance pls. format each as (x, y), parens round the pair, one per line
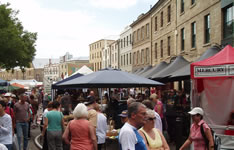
(169, 46)
(182, 31)
(207, 28)
(161, 48)
(169, 14)
(193, 34)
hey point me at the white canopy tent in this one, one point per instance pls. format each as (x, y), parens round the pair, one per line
(83, 70)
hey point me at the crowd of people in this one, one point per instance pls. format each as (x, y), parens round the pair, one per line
(18, 114)
(142, 119)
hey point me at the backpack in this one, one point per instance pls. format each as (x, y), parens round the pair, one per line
(216, 139)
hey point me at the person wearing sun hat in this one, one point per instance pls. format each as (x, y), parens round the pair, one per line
(195, 135)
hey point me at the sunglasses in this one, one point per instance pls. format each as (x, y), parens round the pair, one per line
(152, 118)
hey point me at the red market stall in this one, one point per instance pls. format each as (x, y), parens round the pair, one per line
(213, 90)
(213, 86)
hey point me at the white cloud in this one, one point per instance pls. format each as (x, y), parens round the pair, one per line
(116, 4)
(59, 31)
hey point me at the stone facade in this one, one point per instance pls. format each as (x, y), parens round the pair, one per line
(69, 67)
(125, 49)
(106, 54)
(114, 54)
(183, 29)
(141, 48)
(28, 74)
(95, 53)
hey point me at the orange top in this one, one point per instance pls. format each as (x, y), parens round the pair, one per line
(80, 135)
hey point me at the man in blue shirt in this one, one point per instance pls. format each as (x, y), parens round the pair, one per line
(129, 138)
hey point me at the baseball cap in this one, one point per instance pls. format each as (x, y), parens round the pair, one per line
(124, 113)
(7, 94)
(13, 95)
(196, 110)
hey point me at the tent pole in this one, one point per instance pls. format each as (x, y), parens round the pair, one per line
(100, 94)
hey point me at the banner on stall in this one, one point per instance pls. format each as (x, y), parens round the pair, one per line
(214, 71)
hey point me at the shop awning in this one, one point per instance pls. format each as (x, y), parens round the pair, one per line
(154, 69)
(178, 63)
(184, 72)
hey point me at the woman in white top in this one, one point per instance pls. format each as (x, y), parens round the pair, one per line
(5, 127)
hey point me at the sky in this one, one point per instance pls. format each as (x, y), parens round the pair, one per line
(71, 25)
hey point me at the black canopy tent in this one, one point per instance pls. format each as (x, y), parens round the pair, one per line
(55, 86)
(178, 63)
(144, 69)
(184, 72)
(109, 78)
(137, 70)
(154, 70)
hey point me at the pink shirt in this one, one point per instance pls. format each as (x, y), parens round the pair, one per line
(159, 103)
(80, 135)
(196, 136)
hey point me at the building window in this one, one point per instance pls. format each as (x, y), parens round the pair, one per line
(228, 22)
(138, 35)
(130, 38)
(127, 60)
(142, 56)
(169, 13)
(116, 57)
(134, 58)
(100, 54)
(182, 39)
(192, 2)
(182, 6)
(142, 33)
(156, 50)
(130, 58)
(124, 60)
(161, 47)
(134, 37)
(121, 43)
(168, 45)
(138, 57)
(193, 26)
(127, 41)
(162, 19)
(121, 60)
(156, 23)
(147, 55)
(207, 28)
(147, 30)
(124, 42)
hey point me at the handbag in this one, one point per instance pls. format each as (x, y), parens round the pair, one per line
(15, 145)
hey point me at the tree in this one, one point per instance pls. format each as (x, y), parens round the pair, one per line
(17, 46)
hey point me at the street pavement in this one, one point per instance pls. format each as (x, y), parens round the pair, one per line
(34, 133)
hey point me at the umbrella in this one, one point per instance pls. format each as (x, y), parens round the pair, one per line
(110, 78)
(17, 85)
(9, 88)
(3, 82)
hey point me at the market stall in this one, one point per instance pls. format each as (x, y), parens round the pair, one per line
(213, 87)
